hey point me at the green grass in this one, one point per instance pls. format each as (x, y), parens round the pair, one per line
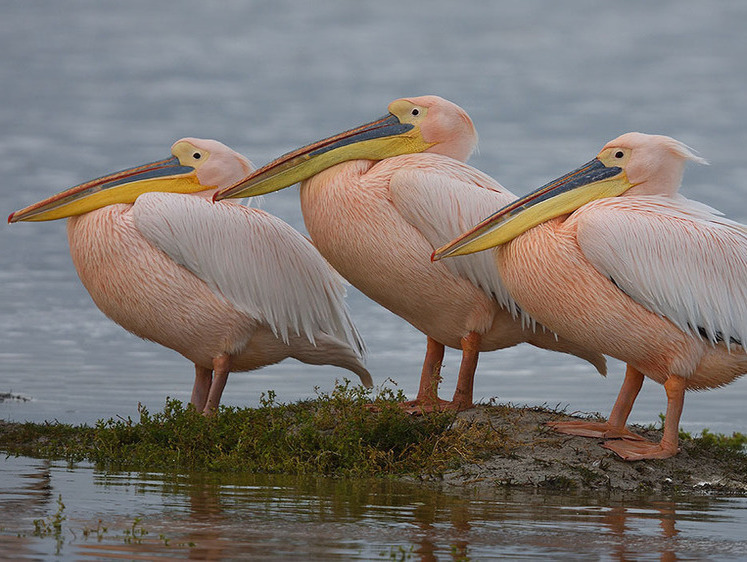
(731, 448)
(334, 434)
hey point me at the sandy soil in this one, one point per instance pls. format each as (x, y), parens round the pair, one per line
(540, 457)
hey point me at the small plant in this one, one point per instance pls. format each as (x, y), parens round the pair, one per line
(98, 532)
(399, 553)
(734, 442)
(136, 532)
(52, 525)
(731, 448)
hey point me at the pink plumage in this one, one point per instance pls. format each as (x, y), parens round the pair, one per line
(377, 221)
(648, 277)
(165, 269)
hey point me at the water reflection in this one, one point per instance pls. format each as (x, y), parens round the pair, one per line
(209, 517)
(618, 518)
(29, 492)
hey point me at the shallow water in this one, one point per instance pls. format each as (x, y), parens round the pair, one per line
(90, 87)
(259, 517)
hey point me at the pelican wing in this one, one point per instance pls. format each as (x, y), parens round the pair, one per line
(251, 259)
(675, 257)
(443, 204)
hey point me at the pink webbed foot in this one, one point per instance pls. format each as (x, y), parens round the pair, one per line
(419, 407)
(594, 429)
(458, 406)
(639, 450)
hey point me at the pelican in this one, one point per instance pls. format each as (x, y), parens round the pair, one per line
(364, 193)
(151, 249)
(612, 257)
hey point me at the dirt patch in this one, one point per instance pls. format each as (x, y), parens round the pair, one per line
(540, 457)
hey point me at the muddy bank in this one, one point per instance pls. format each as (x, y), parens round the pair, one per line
(536, 456)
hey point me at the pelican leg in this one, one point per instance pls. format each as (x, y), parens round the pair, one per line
(615, 427)
(462, 399)
(427, 399)
(221, 368)
(201, 388)
(667, 447)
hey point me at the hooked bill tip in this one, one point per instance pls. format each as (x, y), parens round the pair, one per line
(10, 217)
(219, 196)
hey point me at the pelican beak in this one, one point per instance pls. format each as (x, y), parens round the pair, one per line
(119, 187)
(380, 139)
(593, 180)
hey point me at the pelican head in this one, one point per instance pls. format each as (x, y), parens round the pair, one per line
(421, 124)
(195, 165)
(633, 163)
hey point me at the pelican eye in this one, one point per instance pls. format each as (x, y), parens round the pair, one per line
(197, 156)
(619, 154)
(415, 111)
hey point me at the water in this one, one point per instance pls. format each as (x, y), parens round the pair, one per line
(259, 517)
(89, 88)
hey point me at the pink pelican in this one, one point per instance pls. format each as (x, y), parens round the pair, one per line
(612, 257)
(160, 264)
(364, 194)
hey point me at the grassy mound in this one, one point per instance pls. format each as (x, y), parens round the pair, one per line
(336, 434)
(352, 433)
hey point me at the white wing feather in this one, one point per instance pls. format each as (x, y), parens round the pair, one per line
(251, 259)
(442, 206)
(675, 257)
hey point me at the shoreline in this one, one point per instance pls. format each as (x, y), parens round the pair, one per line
(490, 446)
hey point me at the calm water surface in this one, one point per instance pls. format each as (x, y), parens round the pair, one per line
(89, 87)
(260, 517)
